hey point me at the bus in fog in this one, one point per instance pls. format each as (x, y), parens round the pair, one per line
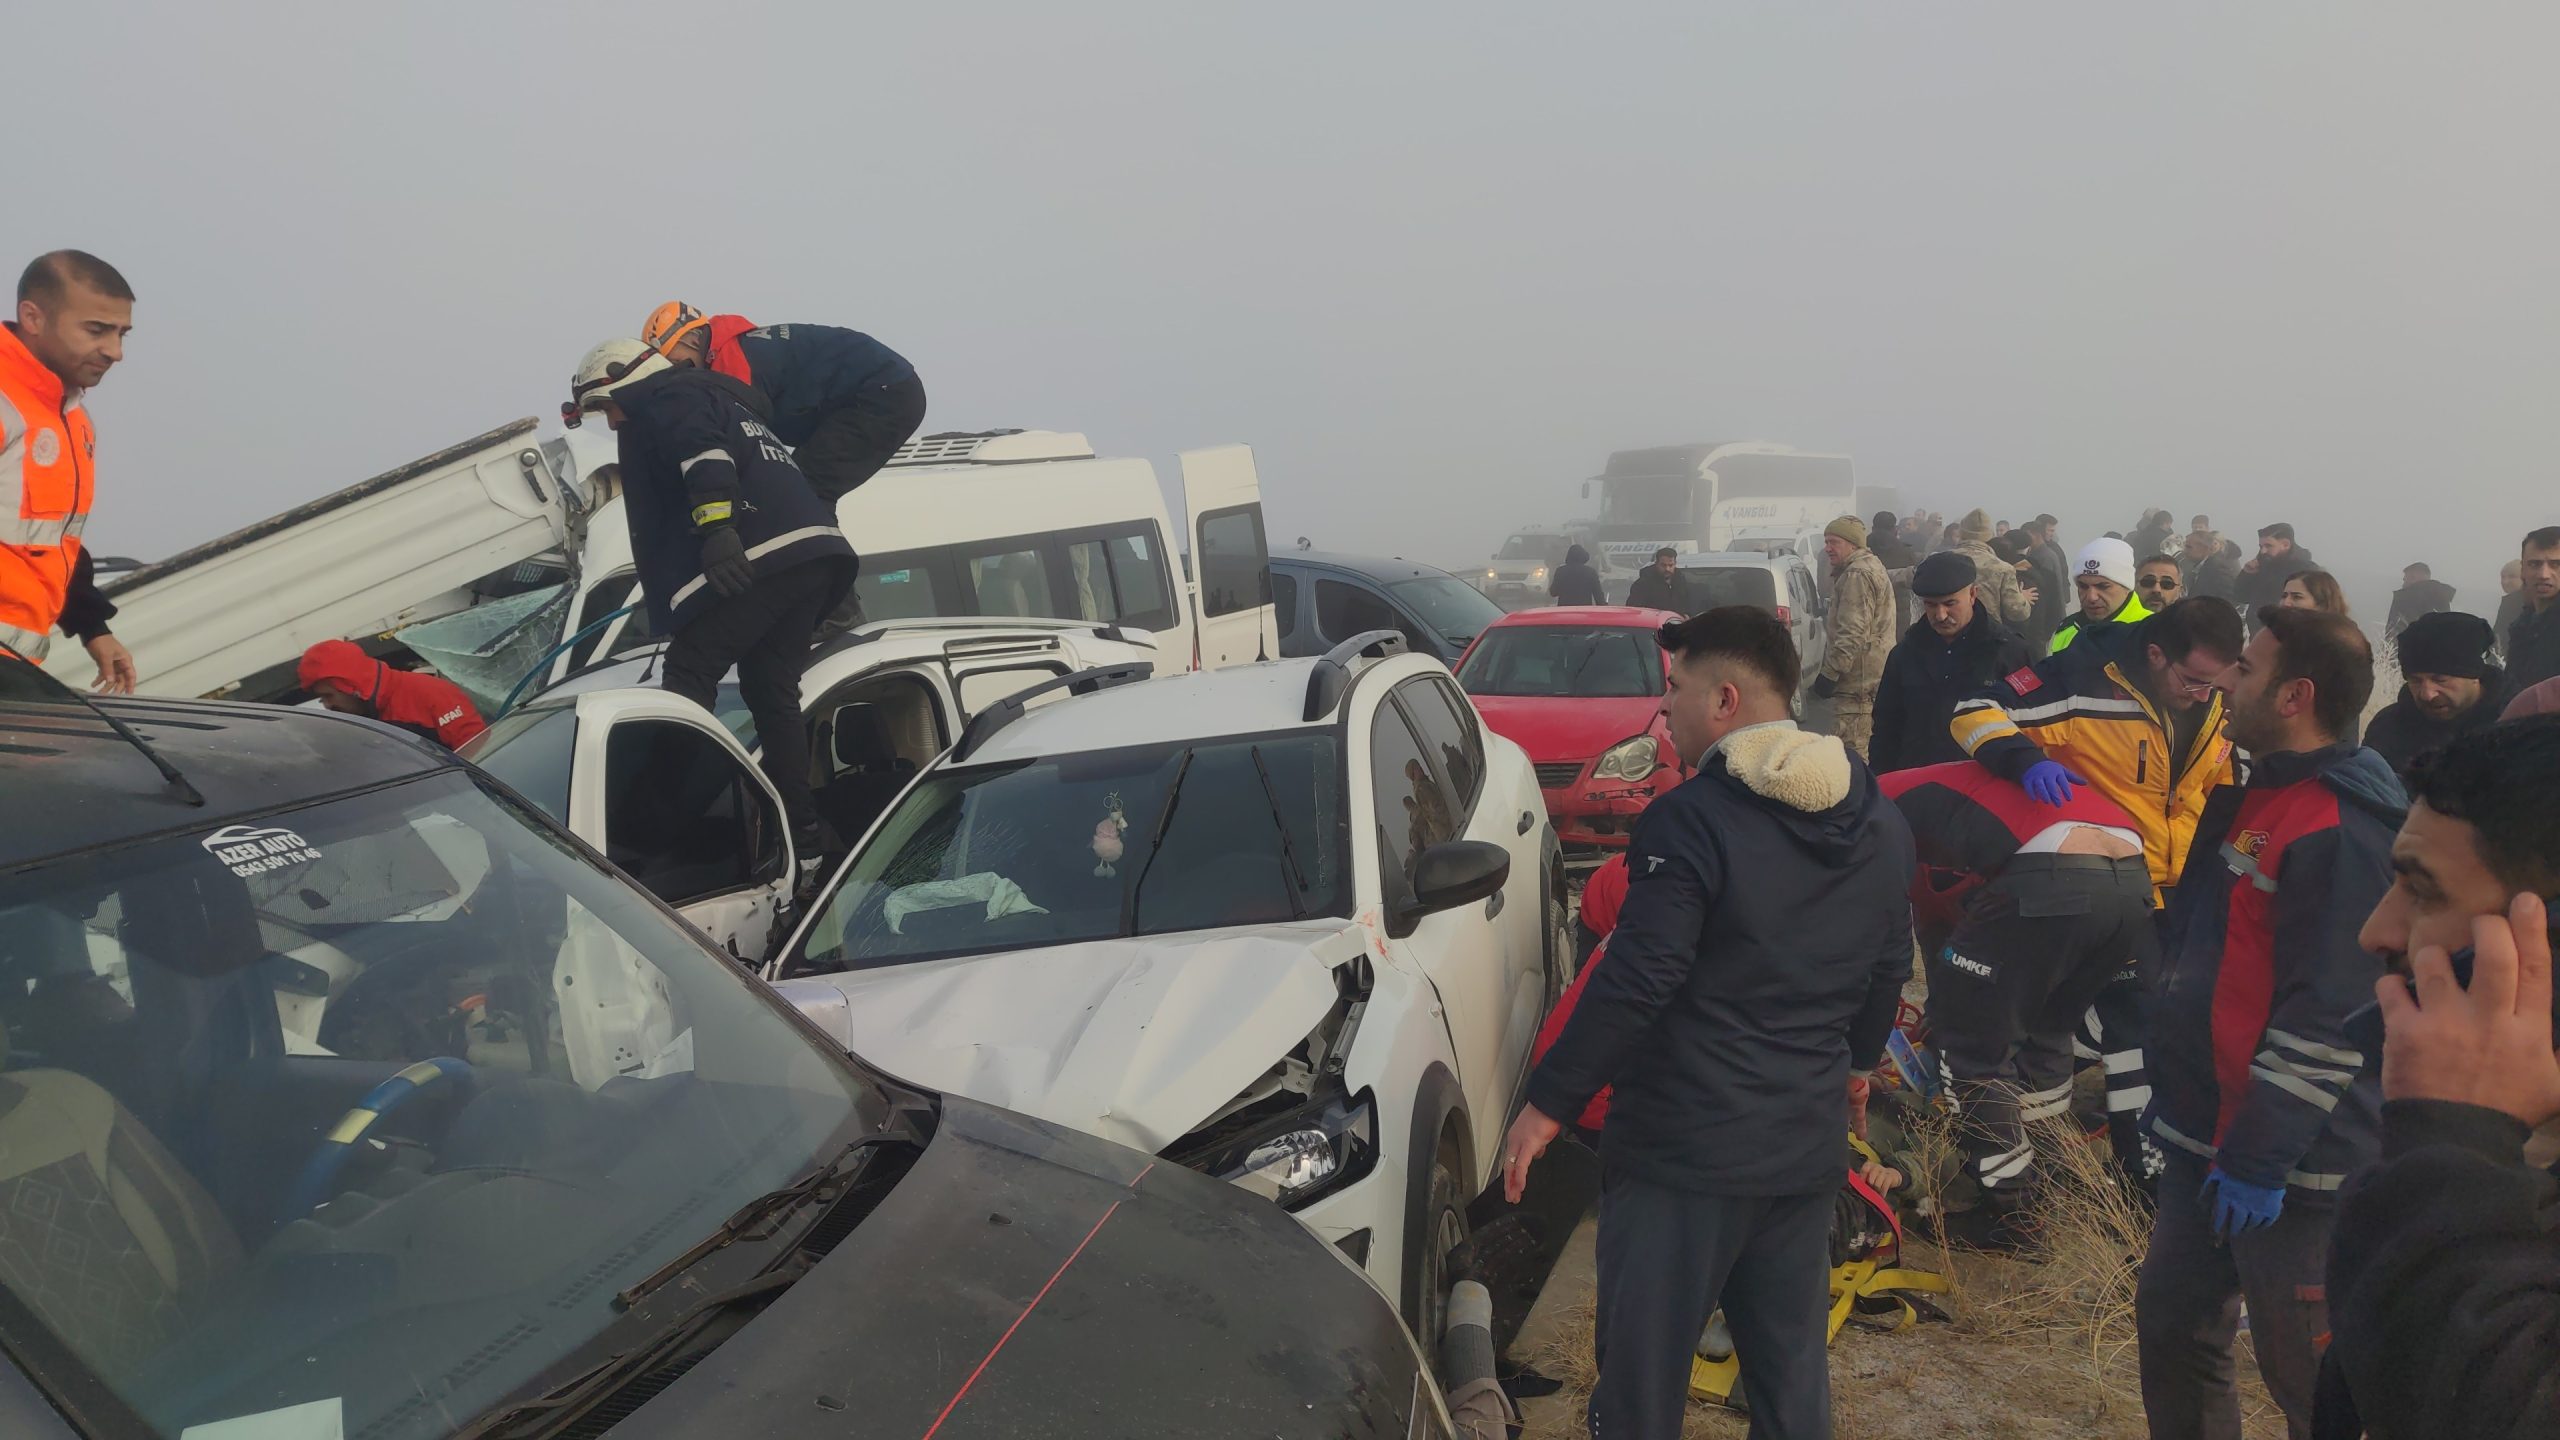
(1702, 496)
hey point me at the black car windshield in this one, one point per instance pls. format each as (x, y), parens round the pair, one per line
(1057, 851)
(369, 1106)
(1565, 660)
(1448, 605)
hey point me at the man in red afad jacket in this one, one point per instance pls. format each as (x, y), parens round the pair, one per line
(2260, 1096)
(349, 681)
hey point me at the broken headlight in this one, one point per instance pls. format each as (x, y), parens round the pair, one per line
(1307, 1153)
(1633, 758)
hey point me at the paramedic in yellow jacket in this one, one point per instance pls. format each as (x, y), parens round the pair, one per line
(2130, 710)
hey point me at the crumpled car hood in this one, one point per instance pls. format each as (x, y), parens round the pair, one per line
(1137, 1041)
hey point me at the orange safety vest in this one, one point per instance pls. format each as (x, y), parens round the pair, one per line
(48, 463)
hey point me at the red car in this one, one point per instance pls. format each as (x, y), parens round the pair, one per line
(1580, 688)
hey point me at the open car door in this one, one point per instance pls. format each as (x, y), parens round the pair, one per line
(1232, 618)
(669, 795)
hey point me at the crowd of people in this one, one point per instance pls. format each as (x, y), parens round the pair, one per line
(2153, 829)
(2126, 804)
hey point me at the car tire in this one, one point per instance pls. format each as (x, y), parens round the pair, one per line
(1437, 1226)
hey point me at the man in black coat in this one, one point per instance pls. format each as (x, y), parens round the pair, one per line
(2208, 565)
(1575, 582)
(2449, 687)
(738, 558)
(2261, 581)
(2420, 593)
(1662, 586)
(2533, 640)
(2049, 571)
(2444, 1268)
(1955, 649)
(1756, 965)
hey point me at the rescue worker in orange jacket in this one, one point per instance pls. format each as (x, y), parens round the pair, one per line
(74, 311)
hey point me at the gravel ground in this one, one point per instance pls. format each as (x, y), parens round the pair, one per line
(1979, 1376)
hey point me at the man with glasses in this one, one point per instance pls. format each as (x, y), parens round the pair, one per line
(2157, 584)
(2130, 712)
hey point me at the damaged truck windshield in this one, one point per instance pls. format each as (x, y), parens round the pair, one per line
(529, 1089)
(1059, 851)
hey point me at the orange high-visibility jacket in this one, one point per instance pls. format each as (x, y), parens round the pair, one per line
(48, 458)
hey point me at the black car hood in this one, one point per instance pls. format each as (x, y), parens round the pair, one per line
(1023, 1279)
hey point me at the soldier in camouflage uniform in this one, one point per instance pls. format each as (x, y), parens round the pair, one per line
(1862, 631)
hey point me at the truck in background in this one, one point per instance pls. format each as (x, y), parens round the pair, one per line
(1704, 496)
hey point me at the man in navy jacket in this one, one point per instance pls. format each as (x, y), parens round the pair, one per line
(738, 558)
(1757, 963)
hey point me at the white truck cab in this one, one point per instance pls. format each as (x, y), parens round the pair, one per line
(672, 793)
(1014, 523)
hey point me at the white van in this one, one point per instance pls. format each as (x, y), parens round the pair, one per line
(1016, 523)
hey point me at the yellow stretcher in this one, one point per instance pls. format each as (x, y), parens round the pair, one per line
(1874, 1291)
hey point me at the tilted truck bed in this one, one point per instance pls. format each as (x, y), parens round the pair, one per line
(402, 547)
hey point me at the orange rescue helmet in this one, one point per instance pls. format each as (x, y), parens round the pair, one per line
(667, 326)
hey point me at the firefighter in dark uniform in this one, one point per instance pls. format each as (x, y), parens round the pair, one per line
(738, 557)
(2025, 912)
(843, 401)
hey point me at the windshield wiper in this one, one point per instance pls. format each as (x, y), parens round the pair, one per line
(570, 1398)
(819, 1183)
(178, 786)
(1155, 843)
(1279, 822)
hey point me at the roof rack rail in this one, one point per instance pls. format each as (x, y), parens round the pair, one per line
(984, 725)
(1332, 674)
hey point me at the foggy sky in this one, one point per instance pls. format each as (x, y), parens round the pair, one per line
(2265, 261)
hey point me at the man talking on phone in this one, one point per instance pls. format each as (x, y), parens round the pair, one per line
(2444, 1279)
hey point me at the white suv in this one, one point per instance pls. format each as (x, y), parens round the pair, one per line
(1292, 924)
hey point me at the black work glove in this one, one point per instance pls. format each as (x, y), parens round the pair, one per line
(1823, 687)
(724, 561)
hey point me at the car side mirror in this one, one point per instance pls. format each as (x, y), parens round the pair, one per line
(1454, 873)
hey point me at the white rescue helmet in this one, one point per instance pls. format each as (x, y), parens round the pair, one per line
(607, 368)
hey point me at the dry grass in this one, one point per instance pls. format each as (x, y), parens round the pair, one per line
(2037, 1350)
(2080, 1291)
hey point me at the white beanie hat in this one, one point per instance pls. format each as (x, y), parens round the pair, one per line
(2108, 557)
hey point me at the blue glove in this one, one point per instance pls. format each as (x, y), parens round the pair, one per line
(2050, 781)
(2238, 1206)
